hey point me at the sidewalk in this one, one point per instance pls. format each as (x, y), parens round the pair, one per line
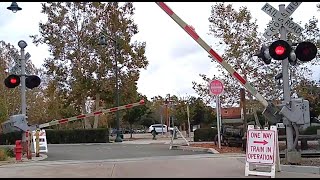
(200, 166)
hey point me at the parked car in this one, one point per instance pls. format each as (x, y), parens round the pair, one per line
(140, 131)
(158, 128)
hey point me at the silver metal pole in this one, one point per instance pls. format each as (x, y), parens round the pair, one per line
(161, 120)
(218, 119)
(286, 86)
(189, 126)
(23, 83)
(22, 44)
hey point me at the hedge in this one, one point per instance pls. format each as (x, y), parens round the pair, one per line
(205, 134)
(10, 138)
(100, 135)
(311, 130)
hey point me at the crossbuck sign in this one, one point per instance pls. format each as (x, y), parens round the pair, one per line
(281, 19)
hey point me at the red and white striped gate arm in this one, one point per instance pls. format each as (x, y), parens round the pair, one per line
(97, 113)
(206, 47)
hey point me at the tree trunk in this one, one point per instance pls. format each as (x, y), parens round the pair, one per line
(96, 118)
(87, 124)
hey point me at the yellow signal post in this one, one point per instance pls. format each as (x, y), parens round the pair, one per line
(37, 143)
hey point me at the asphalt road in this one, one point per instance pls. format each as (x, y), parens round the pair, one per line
(110, 151)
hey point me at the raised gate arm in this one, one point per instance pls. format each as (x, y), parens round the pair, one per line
(271, 112)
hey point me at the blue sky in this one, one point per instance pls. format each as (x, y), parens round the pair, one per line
(175, 60)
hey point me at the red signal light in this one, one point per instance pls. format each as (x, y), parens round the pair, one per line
(12, 81)
(280, 50)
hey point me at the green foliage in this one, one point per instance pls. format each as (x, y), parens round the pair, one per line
(63, 136)
(9, 152)
(79, 67)
(311, 130)
(310, 91)
(205, 134)
(133, 115)
(6, 153)
(77, 136)
(201, 113)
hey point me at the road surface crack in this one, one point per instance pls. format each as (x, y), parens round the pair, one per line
(112, 169)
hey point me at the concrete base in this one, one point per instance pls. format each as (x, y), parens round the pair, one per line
(293, 157)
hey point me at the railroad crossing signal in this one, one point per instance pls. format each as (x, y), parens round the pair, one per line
(13, 81)
(280, 50)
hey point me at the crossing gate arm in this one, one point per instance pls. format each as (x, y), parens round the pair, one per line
(271, 112)
(97, 113)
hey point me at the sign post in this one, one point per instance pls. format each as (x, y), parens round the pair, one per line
(216, 88)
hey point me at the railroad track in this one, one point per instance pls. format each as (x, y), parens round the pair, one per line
(305, 154)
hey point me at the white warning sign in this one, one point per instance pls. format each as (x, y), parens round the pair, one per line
(260, 146)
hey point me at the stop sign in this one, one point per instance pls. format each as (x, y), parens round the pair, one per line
(216, 87)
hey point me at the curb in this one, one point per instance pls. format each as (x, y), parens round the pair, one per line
(24, 160)
(188, 148)
(300, 169)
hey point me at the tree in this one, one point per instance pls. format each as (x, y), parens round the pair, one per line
(310, 91)
(135, 114)
(239, 36)
(200, 113)
(10, 98)
(79, 67)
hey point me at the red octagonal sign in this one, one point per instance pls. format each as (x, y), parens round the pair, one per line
(216, 87)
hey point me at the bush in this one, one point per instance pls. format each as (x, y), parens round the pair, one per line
(100, 135)
(77, 136)
(3, 155)
(9, 152)
(10, 138)
(311, 130)
(205, 134)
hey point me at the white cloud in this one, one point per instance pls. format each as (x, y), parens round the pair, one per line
(175, 59)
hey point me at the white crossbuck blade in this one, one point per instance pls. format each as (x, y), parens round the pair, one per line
(281, 19)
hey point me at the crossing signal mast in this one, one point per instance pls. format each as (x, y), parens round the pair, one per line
(295, 112)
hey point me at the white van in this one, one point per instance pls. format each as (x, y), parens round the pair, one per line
(158, 128)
